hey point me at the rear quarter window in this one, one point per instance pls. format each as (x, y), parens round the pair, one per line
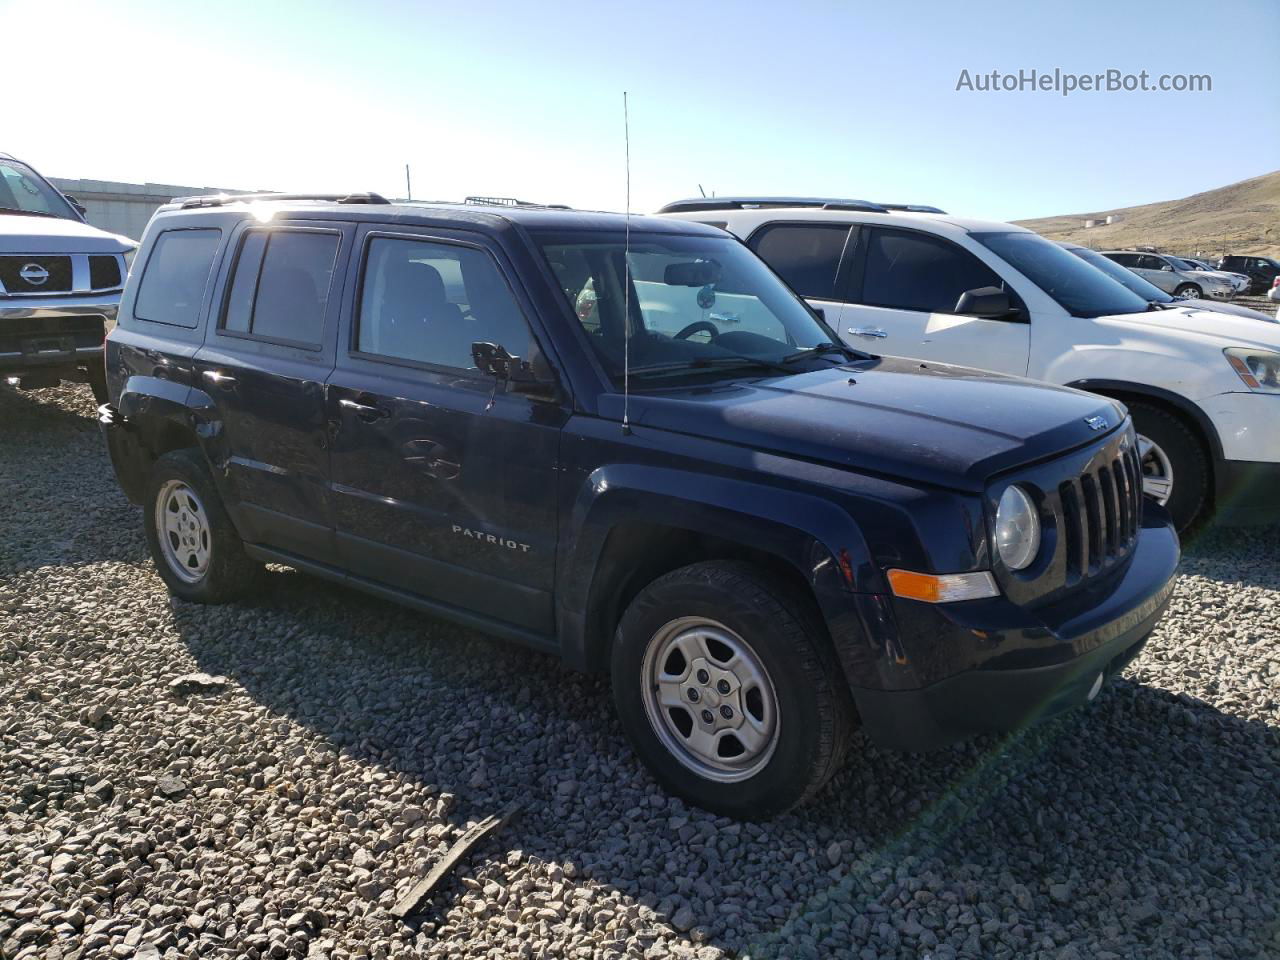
(176, 277)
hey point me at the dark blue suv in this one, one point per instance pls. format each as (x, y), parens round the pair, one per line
(628, 443)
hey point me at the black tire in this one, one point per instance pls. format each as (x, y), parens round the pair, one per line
(1188, 457)
(230, 573)
(815, 714)
(1188, 290)
(98, 382)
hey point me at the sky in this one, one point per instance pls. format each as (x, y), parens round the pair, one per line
(845, 99)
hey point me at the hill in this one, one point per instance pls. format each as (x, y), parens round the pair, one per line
(1242, 217)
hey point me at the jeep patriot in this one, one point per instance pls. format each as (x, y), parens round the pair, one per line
(626, 442)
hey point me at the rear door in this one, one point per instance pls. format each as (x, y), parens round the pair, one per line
(264, 364)
(904, 288)
(810, 257)
(444, 480)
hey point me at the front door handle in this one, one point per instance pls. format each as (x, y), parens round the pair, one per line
(365, 411)
(867, 332)
(219, 379)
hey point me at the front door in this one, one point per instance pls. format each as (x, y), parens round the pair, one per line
(904, 289)
(443, 479)
(264, 365)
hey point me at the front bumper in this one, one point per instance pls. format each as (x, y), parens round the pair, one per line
(1022, 665)
(45, 334)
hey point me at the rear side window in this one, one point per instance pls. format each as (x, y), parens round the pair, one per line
(176, 277)
(280, 286)
(806, 256)
(428, 302)
(914, 271)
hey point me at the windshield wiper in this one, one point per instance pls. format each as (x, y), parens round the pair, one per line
(818, 350)
(29, 213)
(730, 360)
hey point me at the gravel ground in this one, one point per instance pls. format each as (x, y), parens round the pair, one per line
(281, 810)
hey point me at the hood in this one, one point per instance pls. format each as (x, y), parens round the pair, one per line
(1220, 330)
(1210, 306)
(24, 234)
(929, 423)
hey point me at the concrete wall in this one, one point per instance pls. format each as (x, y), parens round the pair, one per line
(125, 207)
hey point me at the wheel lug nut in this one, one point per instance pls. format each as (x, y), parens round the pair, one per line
(703, 676)
(726, 711)
(723, 686)
(694, 695)
(707, 716)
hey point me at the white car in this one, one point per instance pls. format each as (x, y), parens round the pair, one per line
(1241, 280)
(1175, 275)
(1203, 387)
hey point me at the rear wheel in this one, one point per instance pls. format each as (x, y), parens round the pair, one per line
(1175, 464)
(1188, 291)
(728, 691)
(193, 543)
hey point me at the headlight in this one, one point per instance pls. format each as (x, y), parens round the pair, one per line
(1259, 369)
(1017, 529)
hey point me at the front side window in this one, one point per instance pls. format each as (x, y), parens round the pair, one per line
(807, 256)
(914, 271)
(22, 191)
(176, 277)
(1074, 285)
(280, 287)
(428, 302)
(679, 304)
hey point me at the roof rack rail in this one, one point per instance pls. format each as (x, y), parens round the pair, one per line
(222, 199)
(513, 202)
(912, 207)
(696, 204)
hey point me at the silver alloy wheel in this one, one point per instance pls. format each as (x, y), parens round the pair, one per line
(182, 527)
(709, 699)
(1157, 471)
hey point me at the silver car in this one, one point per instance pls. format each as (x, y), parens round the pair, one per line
(1174, 276)
(1241, 280)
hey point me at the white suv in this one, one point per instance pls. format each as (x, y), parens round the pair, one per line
(1203, 387)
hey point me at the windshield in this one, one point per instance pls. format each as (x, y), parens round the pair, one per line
(1143, 288)
(1073, 284)
(22, 189)
(697, 304)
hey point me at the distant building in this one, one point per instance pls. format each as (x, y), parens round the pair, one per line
(1090, 224)
(126, 207)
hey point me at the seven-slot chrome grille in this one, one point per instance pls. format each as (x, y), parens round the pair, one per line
(1090, 504)
(1101, 513)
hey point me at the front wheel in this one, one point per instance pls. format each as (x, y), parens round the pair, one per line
(1175, 464)
(1188, 291)
(728, 692)
(193, 543)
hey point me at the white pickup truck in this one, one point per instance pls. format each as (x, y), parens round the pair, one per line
(1203, 387)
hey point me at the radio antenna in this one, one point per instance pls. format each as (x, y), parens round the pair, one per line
(626, 278)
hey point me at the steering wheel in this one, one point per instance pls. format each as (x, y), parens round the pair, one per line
(698, 326)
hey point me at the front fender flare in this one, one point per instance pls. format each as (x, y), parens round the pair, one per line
(813, 535)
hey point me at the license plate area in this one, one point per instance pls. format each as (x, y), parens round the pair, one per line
(48, 346)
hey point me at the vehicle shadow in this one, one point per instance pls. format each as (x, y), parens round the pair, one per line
(1249, 556)
(892, 843)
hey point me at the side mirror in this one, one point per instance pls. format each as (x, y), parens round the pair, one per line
(989, 303)
(494, 360)
(79, 207)
(822, 314)
(1166, 269)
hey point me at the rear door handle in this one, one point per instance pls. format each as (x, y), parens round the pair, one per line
(364, 411)
(867, 332)
(218, 378)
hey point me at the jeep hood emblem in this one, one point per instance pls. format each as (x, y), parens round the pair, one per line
(33, 274)
(1096, 423)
